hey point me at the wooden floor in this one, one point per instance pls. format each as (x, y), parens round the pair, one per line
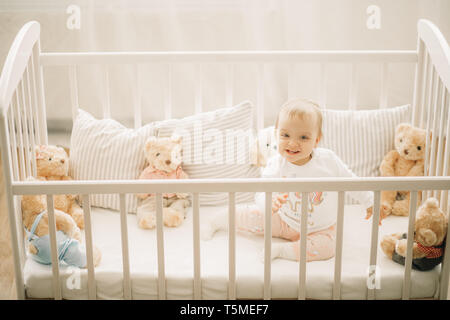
(7, 284)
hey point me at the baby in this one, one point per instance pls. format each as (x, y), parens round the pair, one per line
(298, 130)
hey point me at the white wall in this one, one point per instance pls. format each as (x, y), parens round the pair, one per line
(220, 25)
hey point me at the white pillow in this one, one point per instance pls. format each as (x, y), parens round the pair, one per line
(216, 144)
(105, 149)
(361, 138)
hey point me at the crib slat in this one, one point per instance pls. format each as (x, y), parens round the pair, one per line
(430, 87)
(168, 93)
(323, 86)
(302, 253)
(232, 245)
(434, 137)
(441, 137)
(29, 111)
(268, 246)
(18, 118)
(137, 94)
(425, 107)
(160, 245)
(339, 240)
(106, 93)
(260, 97)
(42, 119)
(229, 84)
(419, 85)
(445, 171)
(35, 104)
(409, 248)
(384, 85)
(125, 251)
(73, 82)
(353, 87)
(198, 88)
(196, 241)
(54, 248)
(24, 118)
(92, 293)
(12, 135)
(374, 240)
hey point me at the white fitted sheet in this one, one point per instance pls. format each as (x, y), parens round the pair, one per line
(214, 264)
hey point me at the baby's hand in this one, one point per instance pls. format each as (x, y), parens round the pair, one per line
(279, 201)
(369, 212)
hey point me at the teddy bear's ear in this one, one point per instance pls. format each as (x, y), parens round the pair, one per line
(402, 127)
(38, 150)
(176, 138)
(149, 143)
(432, 203)
(427, 236)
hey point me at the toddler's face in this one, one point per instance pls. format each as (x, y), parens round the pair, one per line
(297, 137)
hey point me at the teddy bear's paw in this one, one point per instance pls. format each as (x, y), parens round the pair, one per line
(385, 210)
(388, 245)
(32, 249)
(172, 217)
(77, 234)
(78, 216)
(147, 222)
(401, 208)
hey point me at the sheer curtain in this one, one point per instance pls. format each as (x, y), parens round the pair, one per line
(184, 25)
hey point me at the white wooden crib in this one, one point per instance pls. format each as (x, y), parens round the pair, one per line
(23, 124)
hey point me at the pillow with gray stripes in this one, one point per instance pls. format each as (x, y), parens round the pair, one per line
(104, 149)
(361, 138)
(216, 144)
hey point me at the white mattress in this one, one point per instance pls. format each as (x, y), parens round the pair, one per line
(214, 264)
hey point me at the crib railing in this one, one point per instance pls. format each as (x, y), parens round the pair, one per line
(23, 125)
(231, 186)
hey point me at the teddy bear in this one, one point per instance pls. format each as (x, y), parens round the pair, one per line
(52, 163)
(406, 160)
(163, 157)
(264, 146)
(68, 234)
(430, 232)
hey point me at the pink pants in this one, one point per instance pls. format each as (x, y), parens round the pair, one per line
(320, 245)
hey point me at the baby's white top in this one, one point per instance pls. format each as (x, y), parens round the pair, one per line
(322, 206)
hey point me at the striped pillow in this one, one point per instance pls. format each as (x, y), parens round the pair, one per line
(216, 144)
(361, 138)
(105, 149)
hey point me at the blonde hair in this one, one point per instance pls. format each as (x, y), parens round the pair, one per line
(298, 108)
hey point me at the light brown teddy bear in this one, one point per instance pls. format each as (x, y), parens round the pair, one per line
(406, 160)
(35, 222)
(53, 165)
(430, 232)
(164, 162)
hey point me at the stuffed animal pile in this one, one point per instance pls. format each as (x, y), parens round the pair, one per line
(53, 164)
(164, 162)
(430, 231)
